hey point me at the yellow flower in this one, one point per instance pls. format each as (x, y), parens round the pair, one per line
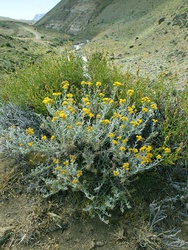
(98, 116)
(30, 144)
(117, 84)
(139, 137)
(89, 128)
(134, 123)
(130, 92)
(56, 94)
(135, 150)
(122, 126)
(70, 100)
(116, 115)
(85, 99)
(86, 111)
(43, 137)
(119, 137)
(101, 94)
(70, 95)
(144, 109)
(88, 83)
(65, 82)
(69, 126)
(98, 84)
(20, 144)
(154, 120)
(62, 115)
(111, 135)
(105, 122)
(74, 181)
(167, 150)
(29, 131)
(78, 123)
(48, 100)
(143, 148)
(124, 118)
(158, 156)
(125, 140)
(145, 99)
(83, 83)
(148, 148)
(54, 119)
(64, 103)
(153, 106)
(66, 163)
(79, 173)
(115, 173)
(65, 85)
(71, 109)
(52, 137)
(63, 171)
(72, 158)
(107, 100)
(56, 161)
(121, 148)
(57, 168)
(114, 142)
(125, 165)
(121, 101)
(130, 110)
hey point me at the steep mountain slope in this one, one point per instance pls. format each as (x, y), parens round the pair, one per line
(149, 35)
(73, 16)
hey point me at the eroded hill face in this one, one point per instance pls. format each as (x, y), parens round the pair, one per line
(73, 16)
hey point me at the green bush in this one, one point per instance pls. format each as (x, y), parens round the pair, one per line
(94, 146)
(29, 85)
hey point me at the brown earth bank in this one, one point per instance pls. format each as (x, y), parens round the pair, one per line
(28, 222)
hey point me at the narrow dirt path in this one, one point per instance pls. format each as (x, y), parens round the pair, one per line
(35, 33)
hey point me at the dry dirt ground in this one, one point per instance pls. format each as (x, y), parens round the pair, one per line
(27, 223)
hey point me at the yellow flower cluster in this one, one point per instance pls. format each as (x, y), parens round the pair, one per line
(117, 84)
(29, 131)
(86, 101)
(115, 173)
(105, 122)
(43, 137)
(143, 154)
(65, 85)
(89, 128)
(98, 84)
(136, 123)
(48, 100)
(122, 101)
(126, 166)
(86, 83)
(56, 94)
(145, 99)
(107, 100)
(131, 109)
(87, 112)
(130, 92)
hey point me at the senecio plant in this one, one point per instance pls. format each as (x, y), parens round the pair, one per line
(94, 143)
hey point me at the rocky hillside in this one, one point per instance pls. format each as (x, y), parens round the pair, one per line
(149, 35)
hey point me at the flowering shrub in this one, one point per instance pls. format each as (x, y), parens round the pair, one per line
(93, 144)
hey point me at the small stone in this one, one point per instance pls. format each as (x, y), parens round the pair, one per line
(99, 244)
